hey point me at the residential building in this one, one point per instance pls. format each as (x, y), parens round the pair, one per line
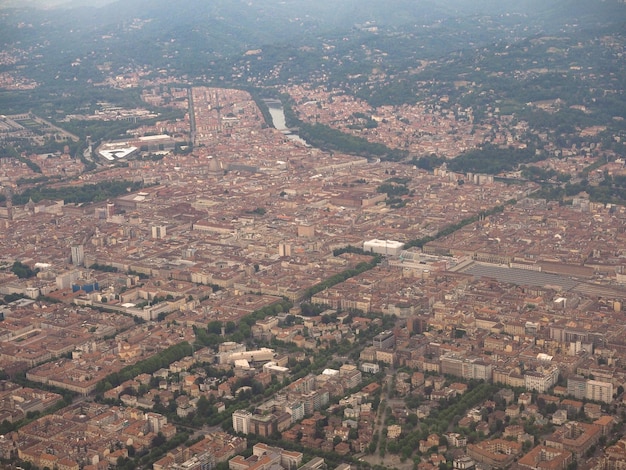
(541, 379)
(596, 390)
(577, 387)
(384, 340)
(575, 437)
(499, 453)
(546, 458)
(241, 421)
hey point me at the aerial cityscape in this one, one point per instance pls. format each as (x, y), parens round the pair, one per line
(271, 235)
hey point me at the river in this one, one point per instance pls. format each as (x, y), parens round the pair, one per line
(278, 119)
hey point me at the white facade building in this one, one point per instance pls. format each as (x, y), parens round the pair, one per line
(542, 379)
(241, 421)
(599, 391)
(383, 247)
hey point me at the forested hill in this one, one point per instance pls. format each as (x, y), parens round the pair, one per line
(268, 42)
(224, 26)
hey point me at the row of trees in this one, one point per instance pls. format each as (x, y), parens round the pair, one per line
(79, 194)
(342, 276)
(11, 151)
(449, 229)
(350, 249)
(147, 366)
(440, 420)
(211, 335)
(612, 189)
(6, 426)
(329, 139)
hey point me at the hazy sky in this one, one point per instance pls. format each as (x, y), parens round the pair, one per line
(51, 3)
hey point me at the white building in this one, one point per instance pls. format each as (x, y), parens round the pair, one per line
(542, 379)
(370, 368)
(159, 231)
(599, 391)
(296, 410)
(78, 255)
(241, 421)
(383, 247)
(259, 355)
(274, 369)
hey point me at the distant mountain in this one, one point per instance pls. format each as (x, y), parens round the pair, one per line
(331, 11)
(257, 22)
(275, 17)
(191, 36)
(243, 23)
